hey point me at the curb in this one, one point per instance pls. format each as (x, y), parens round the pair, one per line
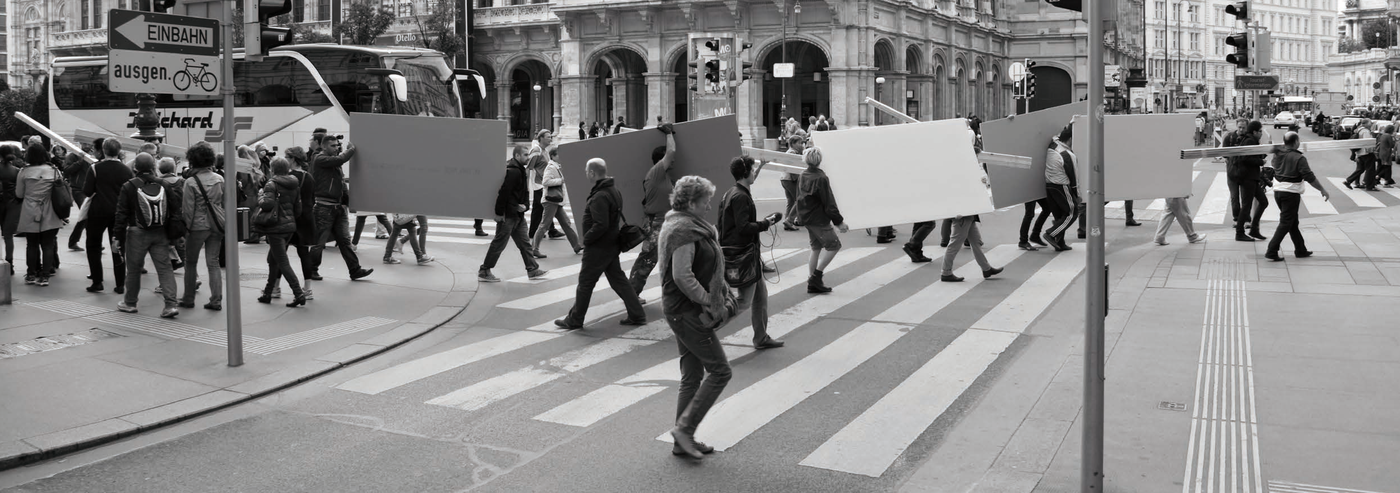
(35, 449)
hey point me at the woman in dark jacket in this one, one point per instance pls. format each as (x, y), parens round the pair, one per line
(76, 170)
(281, 198)
(9, 203)
(306, 221)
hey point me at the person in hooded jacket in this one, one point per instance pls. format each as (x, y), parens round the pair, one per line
(282, 198)
(131, 207)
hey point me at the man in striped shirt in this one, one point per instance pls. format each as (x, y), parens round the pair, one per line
(1060, 188)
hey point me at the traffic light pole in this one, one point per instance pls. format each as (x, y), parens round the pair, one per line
(1096, 270)
(232, 307)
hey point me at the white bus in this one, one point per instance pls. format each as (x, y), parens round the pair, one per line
(280, 100)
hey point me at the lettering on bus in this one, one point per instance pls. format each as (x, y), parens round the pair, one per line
(174, 120)
(142, 73)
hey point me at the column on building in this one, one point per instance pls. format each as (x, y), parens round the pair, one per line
(895, 84)
(922, 85)
(577, 89)
(503, 98)
(847, 108)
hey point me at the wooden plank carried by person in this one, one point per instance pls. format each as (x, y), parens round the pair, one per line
(1322, 145)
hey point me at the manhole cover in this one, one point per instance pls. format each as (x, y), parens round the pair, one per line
(1172, 406)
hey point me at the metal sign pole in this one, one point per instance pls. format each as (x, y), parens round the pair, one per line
(1096, 271)
(232, 307)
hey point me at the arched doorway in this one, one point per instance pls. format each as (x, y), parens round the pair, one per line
(682, 85)
(1053, 87)
(916, 81)
(621, 91)
(884, 68)
(530, 108)
(808, 92)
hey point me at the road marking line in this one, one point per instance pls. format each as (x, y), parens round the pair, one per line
(612, 398)
(1028, 302)
(454, 239)
(743, 413)
(1215, 207)
(1361, 197)
(567, 271)
(1317, 205)
(496, 389)
(924, 304)
(412, 371)
(313, 336)
(1290, 487)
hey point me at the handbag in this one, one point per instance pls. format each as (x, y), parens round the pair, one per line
(554, 194)
(629, 235)
(60, 196)
(741, 265)
(267, 218)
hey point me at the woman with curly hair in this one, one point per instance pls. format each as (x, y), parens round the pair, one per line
(697, 302)
(38, 221)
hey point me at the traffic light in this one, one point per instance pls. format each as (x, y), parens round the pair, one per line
(1239, 9)
(712, 70)
(1018, 90)
(746, 68)
(1262, 49)
(1030, 79)
(1240, 58)
(694, 74)
(256, 14)
(163, 5)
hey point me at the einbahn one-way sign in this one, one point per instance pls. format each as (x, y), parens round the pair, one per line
(162, 53)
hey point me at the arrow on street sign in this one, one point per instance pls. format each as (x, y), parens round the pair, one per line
(1256, 82)
(163, 33)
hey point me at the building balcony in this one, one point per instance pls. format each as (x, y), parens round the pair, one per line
(518, 15)
(85, 42)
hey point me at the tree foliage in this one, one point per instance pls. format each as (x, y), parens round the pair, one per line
(1345, 44)
(1375, 33)
(21, 100)
(362, 23)
(302, 34)
(436, 30)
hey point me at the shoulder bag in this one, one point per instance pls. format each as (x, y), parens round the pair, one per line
(209, 207)
(629, 235)
(60, 195)
(271, 216)
(740, 262)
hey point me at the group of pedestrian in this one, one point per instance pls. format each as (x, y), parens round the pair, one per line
(599, 129)
(1373, 165)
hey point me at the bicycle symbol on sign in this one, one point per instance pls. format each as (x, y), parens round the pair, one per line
(195, 72)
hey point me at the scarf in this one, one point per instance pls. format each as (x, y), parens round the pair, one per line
(683, 228)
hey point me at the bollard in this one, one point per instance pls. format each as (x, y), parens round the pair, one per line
(5, 278)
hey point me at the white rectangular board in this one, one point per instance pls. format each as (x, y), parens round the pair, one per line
(1142, 156)
(898, 174)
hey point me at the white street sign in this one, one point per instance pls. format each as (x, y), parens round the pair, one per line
(783, 70)
(1017, 71)
(1112, 76)
(162, 73)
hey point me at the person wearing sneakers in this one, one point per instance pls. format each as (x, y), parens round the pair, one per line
(1060, 188)
(306, 221)
(817, 211)
(38, 221)
(281, 203)
(202, 204)
(408, 224)
(144, 207)
(739, 228)
(1177, 209)
(1291, 171)
(512, 201)
(330, 210)
(602, 220)
(554, 193)
(697, 303)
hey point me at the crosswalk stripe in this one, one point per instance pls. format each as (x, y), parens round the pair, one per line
(1318, 205)
(612, 398)
(480, 395)
(1035, 295)
(1215, 207)
(454, 239)
(1362, 198)
(1393, 192)
(567, 271)
(743, 413)
(412, 371)
(541, 300)
(871, 442)
(929, 301)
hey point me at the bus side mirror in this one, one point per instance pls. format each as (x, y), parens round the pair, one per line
(466, 74)
(396, 79)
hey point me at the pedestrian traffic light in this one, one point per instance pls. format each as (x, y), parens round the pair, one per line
(1239, 9)
(745, 68)
(163, 5)
(1240, 58)
(1029, 88)
(1018, 90)
(258, 37)
(712, 71)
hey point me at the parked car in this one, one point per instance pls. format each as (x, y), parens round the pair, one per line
(1345, 127)
(1323, 126)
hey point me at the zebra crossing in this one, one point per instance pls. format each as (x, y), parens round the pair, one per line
(463, 231)
(1213, 208)
(907, 297)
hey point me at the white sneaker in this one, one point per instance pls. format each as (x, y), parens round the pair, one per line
(277, 292)
(424, 260)
(307, 290)
(1199, 237)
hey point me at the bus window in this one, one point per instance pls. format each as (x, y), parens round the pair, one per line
(344, 73)
(85, 87)
(276, 81)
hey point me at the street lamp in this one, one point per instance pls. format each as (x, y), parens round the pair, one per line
(879, 82)
(535, 111)
(782, 110)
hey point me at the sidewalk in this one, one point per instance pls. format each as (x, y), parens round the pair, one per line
(1224, 369)
(76, 373)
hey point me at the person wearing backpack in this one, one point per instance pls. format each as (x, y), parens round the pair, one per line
(202, 206)
(276, 219)
(146, 207)
(38, 221)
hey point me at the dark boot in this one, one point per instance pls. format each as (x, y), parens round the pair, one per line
(815, 284)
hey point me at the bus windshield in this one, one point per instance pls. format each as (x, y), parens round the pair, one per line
(429, 86)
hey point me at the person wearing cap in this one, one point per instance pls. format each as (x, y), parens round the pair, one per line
(817, 211)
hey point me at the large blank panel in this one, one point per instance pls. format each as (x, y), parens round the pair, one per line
(906, 173)
(1142, 156)
(1024, 135)
(405, 164)
(703, 147)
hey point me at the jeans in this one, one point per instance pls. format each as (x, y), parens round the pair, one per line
(139, 242)
(511, 228)
(535, 210)
(42, 251)
(646, 259)
(278, 265)
(599, 261)
(422, 233)
(1234, 187)
(96, 226)
(920, 233)
(332, 223)
(1287, 222)
(756, 296)
(360, 226)
(965, 228)
(1245, 192)
(78, 199)
(701, 353)
(944, 236)
(1178, 209)
(790, 192)
(412, 240)
(555, 211)
(212, 244)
